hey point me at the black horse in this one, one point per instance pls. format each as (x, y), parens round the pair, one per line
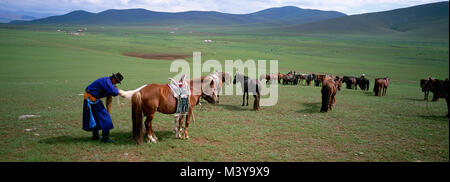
(440, 88)
(363, 83)
(433, 85)
(249, 85)
(350, 82)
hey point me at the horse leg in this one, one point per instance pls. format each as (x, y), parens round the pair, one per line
(179, 128)
(149, 130)
(243, 99)
(186, 133)
(247, 98)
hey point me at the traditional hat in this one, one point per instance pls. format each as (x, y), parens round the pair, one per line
(118, 77)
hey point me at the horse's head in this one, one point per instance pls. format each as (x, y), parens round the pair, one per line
(338, 81)
(226, 77)
(209, 91)
(238, 78)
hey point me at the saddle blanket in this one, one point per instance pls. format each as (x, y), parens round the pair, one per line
(181, 91)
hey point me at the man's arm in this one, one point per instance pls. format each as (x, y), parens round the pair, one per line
(109, 104)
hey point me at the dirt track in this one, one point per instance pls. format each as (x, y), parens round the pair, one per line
(158, 56)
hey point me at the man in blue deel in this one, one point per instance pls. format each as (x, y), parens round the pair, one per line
(95, 116)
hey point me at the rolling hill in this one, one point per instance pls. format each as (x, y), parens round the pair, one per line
(288, 15)
(428, 20)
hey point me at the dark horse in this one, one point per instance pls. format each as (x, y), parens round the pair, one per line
(150, 98)
(427, 90)
(318, 80)
(424, 90)
(291, 78)
(249, 85)
(440, 88)
(350, 82)
(381, 85)
(330, 87)
(363, 83)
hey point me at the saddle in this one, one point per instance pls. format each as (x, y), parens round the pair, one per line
(181, 92)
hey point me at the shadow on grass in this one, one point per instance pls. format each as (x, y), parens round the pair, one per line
(236, 107)
(415, 99)
(120, 138)
(311, 107)
(435, 117)
(369, 93)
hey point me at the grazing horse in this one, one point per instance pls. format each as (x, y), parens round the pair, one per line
(150, 98)
(381, 85)
(329, 91)
(280, 76)
(309, 78)
(319, 79)
(249, 85)
(219, 79)
(270, 78)
(430, 85)
(424, 90)
(288, 78)
(440, 88)
(363, 83)
(350, 81)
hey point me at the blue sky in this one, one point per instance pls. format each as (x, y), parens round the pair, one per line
(349, 7)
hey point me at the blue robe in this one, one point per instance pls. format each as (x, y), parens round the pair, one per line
(100, 88)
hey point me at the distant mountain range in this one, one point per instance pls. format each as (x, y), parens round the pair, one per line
(428, 20)
(285, 15)
(7, 16)
(431, 20)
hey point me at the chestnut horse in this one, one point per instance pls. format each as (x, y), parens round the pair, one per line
(381, 85)
(150, 98)
(270, 78)
(329, 90)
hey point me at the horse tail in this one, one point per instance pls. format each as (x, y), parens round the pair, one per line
(128, 94)
(137, 115)
(326, 92)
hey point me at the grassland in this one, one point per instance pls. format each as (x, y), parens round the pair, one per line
(43, 71)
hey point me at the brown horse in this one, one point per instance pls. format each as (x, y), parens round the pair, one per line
(280, 76)
(381, 85)
(150, 98)
(270, 78)
(329, 91)
(319, 79)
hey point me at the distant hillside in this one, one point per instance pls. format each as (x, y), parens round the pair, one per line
(428, 19)
(288, 15)
(6, 16)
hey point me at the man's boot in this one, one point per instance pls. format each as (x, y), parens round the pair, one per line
(95, 135)
(105, 137)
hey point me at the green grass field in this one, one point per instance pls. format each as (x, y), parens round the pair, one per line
(43, 71)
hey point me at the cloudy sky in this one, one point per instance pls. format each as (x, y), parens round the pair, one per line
(349, 7)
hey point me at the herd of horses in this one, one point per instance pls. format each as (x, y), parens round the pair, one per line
(152, 98)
